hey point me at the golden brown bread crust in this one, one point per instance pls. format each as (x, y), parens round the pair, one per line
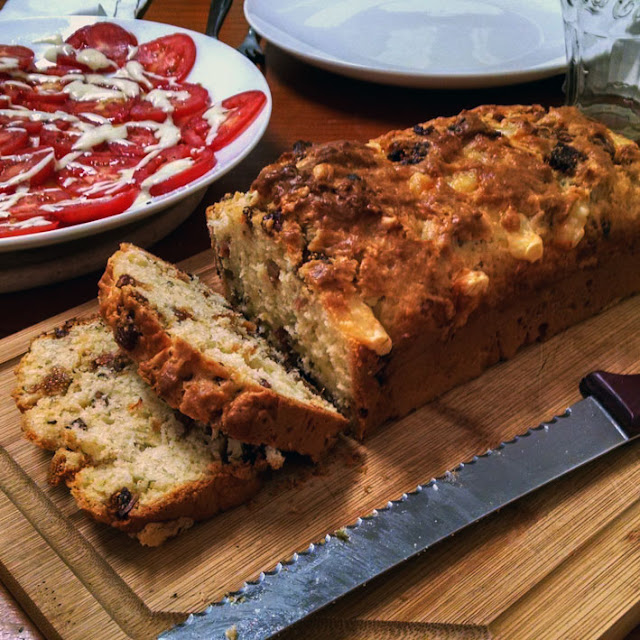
(227, 486)
(204, 389)
(454, 232)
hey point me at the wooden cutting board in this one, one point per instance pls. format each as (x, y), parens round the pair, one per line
(562, 563)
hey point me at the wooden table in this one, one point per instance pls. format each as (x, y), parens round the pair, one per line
(309, 104)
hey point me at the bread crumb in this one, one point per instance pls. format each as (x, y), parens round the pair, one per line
(342, 534)
(231, 633)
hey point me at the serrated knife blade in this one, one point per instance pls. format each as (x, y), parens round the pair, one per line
(608, 417)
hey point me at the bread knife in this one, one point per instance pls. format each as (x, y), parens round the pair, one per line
(608, 417)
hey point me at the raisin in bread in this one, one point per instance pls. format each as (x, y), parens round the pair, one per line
(129, 459)
(207, 360)
(401, 267)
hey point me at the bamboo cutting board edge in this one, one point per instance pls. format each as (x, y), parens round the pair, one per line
(443, 410)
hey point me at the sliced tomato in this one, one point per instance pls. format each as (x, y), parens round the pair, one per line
(40, 96)
(165, 156)
(116, 111)
(138, 139)
(78, 210)
(43, 105)
(10, 228)
(62, 70)
(35, 97)
(32, 126)
(243, 110)
(144, 110)
(53, 83)
(23, 55)
(61, 141)
(32, 166)
(194, 130)
(108, 38)
(63, 125)
(202, 162)
(29, 205)
(95, 174)
(185, 106)
(70, 62)
(15, 93)
(12, 139)
(169, 56)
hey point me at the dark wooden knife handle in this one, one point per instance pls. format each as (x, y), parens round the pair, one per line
(618, 394)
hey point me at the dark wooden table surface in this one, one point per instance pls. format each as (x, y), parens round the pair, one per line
(308, 104)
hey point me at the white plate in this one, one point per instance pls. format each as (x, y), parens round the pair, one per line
(219, 68)
(419, 43)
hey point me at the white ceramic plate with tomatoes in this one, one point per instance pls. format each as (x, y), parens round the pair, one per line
(110, 153)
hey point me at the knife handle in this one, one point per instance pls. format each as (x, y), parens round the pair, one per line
(618, 394)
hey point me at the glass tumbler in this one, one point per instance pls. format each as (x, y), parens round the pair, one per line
(603, 52)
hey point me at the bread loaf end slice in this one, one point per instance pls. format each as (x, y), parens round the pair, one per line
(207, 360)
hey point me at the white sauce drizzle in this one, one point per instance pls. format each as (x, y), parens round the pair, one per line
(37, 221)
(56, 38)
(17, 83)
(94, 59)
(65, 160)
(133, 70)
(43, 78)
(7, 63)
(126, 87)
(37, 116)
(159, 98)
(95, 117)
(166, 171)
(52, 53)
(166, 133)
(98, 135)
(9, 200)
(215, 116)
(84, 92)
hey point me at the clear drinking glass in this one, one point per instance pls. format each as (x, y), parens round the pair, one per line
(603, 51)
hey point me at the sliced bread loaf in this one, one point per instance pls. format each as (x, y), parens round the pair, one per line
(208, 361)
(129, 459)
(399, 268)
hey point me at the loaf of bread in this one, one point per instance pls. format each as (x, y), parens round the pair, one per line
(130, 460)
(207, 360)
(398, 268)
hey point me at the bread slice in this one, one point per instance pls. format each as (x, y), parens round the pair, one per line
(208, 361)
(401, 267)
(129, 459)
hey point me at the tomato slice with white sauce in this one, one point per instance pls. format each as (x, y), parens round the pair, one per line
(13, 139)
(180, 172)
(170, 57)
(13, 56)
(29, 167)
(243, 109)
(10, 228)
(77, 211)
(23, 206)
(110, 39)
(93, 175)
